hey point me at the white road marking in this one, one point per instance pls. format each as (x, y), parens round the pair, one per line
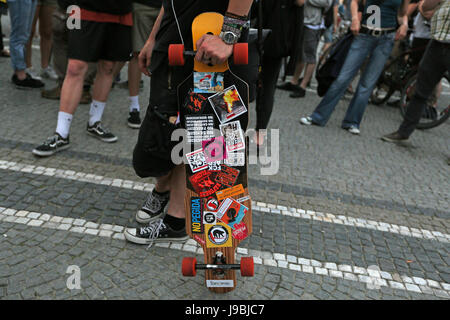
(256, 205)
(373, 277)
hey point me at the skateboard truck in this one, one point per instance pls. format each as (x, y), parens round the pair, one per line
(190, 266)
(177, 54)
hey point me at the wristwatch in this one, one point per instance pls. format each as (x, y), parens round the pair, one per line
(229, 37)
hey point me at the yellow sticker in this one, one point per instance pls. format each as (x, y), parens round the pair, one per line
(230, 192)
(218, 236)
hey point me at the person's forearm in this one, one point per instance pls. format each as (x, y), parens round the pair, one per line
(156, 26)
(240, 7)
(402, 15)
(354, 9)
(430, 4)
(426, 14)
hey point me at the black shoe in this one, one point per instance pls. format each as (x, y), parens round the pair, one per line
(288, 86)
(394, 137)
(299, 92)
(27, 83)
(52, 145)
(101, 133)
(155, 232)
(153, 207)
(134, 120)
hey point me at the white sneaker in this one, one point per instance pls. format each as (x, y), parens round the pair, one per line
(307, 121)
(49, 73)
(353, 130)
(33, 74)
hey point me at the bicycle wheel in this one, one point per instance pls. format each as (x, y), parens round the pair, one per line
(437, 110)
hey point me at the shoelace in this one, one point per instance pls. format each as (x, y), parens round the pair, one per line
(153, 203)
(51, 140)
(153, 230)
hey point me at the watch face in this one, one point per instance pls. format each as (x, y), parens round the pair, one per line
(229, 37)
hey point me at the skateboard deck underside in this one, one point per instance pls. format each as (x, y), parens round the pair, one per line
(208, 188)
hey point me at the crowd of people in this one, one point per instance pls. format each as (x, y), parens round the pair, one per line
(85, 60)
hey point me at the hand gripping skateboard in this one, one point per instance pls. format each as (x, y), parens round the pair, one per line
(213, 108)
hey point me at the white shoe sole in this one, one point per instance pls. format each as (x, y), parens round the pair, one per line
(108, 140)
(132, 238)
(49, 153)
(150, 219)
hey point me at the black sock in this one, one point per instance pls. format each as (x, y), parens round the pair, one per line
(175, 223)
(162, 194)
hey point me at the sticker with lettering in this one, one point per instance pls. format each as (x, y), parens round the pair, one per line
(208, 82)
(211, 204)
(204, 184)
(230, 192)
(197, 161)
(240, 231)
(233, 135)
(209, 217)
(235, 159)
(196, 215)
(199, 128)
(227, 176)
(199, 240)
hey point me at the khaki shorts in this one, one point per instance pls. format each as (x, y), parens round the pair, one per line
(144, 18)
(50, 3)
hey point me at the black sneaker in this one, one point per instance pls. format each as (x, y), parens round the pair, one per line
(52, 145)
(134, 120)
(299, 92)
(394, 137)
(27, 83)
(153, 207)
(101, 133)
(155, 232)
(288, 86)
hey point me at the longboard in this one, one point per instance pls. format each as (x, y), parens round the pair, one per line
(213, 108)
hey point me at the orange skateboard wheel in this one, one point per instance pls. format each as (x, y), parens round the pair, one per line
(240, 53)
(188, 267)
(176, 55)
(247, 267)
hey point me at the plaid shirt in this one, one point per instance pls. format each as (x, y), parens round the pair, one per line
(440, 23)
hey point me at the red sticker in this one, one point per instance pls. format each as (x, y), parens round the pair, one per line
(240, 231)
(203, 183)
(227, 176)
(199, 240)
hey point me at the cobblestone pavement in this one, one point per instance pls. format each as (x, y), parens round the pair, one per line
(345, 217)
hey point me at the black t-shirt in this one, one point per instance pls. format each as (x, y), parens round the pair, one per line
(150, 3)
(119, 7)
(186, 11)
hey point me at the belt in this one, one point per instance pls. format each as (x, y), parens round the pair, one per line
(376, 32)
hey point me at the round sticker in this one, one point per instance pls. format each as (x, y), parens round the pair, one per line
(240, 232)
(209, 217)
(212, 204)
(218, 235)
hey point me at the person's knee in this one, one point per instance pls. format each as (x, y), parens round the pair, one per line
(106, 68)
(76, 69)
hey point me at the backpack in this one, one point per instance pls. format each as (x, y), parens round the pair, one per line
(330, 70)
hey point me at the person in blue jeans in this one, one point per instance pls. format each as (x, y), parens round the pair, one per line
(21, 14)
(373, 38)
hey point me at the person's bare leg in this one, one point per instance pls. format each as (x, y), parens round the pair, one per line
(163, 183)
(177, 192)
(309, 70)
(46, 34)
(103, 80)
(134, 76)
(73, 86)
(297, 72)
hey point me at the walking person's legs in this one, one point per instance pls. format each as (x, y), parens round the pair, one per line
(367, 82)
